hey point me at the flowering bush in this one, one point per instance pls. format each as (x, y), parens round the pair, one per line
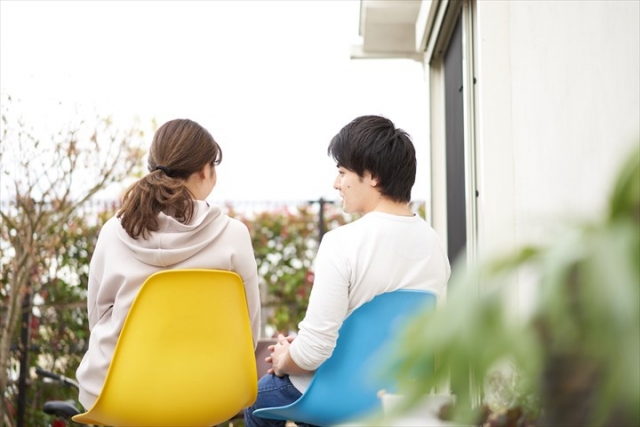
(285, 242)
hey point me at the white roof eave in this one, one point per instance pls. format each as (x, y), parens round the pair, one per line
(394, 28)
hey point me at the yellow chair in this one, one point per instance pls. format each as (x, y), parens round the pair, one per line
(185, 355)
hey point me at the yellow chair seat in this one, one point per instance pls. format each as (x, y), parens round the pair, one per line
(185, 355)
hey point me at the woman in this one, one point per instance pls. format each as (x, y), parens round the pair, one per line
(164, 223)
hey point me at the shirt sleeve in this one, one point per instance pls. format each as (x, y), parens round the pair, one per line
(328, 307)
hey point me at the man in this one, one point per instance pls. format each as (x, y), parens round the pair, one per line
(388, 248)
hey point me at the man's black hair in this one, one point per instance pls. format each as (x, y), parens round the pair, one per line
(374, 144)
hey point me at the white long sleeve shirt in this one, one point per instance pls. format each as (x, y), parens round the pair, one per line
(120, 265)
(375, 254)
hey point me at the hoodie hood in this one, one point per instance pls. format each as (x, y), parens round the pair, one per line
(175, 242)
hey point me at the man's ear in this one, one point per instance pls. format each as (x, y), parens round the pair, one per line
(373, 181)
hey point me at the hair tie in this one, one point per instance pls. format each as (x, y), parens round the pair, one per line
(163, 169)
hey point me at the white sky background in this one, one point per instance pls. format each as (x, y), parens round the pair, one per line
(271, 80)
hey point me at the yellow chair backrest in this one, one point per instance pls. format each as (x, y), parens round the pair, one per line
(185, 355)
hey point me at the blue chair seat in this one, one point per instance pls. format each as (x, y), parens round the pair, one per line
(346, 385)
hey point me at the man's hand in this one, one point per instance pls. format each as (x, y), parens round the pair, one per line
(280, 358)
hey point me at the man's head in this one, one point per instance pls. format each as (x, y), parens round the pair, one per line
(373, 145)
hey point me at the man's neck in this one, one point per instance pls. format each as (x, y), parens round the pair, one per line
(391, 207)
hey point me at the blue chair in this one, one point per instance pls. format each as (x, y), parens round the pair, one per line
(346, 386)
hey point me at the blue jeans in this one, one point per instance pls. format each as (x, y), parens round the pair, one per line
(272, 391)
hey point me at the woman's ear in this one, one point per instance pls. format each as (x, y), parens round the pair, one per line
(203, 172)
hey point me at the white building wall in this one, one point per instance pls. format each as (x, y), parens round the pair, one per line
(557, 108)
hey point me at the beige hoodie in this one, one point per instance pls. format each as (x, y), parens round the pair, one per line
(121, 264)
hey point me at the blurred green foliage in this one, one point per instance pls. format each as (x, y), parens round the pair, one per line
(576, 353)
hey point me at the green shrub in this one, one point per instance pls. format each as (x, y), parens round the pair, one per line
(577, 353)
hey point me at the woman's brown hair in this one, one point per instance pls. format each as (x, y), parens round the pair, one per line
(180, 147)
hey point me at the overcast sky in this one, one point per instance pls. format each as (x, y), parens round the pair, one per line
(271, 80)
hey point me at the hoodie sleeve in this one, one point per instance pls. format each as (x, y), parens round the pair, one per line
(244, 263)
(99, 298)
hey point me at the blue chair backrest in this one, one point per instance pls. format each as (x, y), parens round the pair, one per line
(346, 386)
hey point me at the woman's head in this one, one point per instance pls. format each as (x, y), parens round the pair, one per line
(181, 164)
(181, 147)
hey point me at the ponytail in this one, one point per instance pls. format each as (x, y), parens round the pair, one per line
(152, 194)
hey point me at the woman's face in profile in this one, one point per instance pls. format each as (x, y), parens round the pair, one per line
(211, 179)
